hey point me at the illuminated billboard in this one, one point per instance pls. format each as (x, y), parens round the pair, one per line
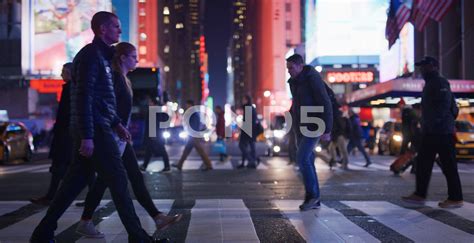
(60, 28)
(344, 27)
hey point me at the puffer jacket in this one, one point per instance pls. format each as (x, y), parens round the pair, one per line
(438, 107)
(308, 89)
(92, 90)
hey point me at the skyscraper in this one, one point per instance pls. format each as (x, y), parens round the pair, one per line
(179, 43)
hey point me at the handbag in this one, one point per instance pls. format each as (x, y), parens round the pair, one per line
(219, 147)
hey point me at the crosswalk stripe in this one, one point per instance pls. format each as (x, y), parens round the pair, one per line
(10, 206)
(114, 230)
(21, 168)
(21, 231)
(323, 225)
(467, 211)
(221, 220)
(231, 220)
(410, 223)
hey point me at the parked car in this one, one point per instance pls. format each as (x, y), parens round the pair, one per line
(16, 142)
(390, 138)
(277, 138)
(464, 140)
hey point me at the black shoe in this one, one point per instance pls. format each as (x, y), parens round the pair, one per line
(251, 167)
(165, 170)
(142, 168)
(367, 164)
(81, 204)
(241, 166)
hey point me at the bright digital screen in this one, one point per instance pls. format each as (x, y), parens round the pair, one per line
(61, 29)
(345, 27)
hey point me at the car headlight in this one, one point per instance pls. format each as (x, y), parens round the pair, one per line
(166, 135)
(279, 133)
(397, 138)
(183, 135)
(276, 149)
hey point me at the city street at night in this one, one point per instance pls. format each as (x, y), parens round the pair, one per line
(246, 205)
(235, 121)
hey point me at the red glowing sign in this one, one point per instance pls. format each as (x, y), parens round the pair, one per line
(350, 77)
(48, 86)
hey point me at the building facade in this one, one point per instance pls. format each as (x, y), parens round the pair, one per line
(179, 46)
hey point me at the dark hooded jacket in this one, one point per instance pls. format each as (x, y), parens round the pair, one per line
(438, 105)
(308, 89)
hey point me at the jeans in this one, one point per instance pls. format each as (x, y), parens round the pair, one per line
(108, 165)
(442, 144)
(157, 148)
(357, 143)
(130, 162)
(305, 156)
(247, 148)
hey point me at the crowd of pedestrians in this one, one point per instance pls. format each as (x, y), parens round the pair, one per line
(92, 144)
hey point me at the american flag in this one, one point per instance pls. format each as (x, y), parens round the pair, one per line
(398, 15)
(425, 9)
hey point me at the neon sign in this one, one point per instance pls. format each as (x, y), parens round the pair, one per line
(350, 77)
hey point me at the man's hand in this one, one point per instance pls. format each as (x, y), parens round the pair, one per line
(87, 147)
(123, 133)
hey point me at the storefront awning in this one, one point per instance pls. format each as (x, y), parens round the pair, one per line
(387, 93)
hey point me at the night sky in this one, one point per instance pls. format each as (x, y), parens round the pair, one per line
(217, 31)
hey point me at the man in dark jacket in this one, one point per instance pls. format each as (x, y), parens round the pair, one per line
(93, 119)
(60, 152)
(439, 111)
(312, 117)
(355, 138)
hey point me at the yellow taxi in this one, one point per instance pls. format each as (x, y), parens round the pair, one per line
(16, 142)
(464, 140)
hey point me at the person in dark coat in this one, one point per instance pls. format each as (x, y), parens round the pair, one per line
(355, 139)
(94, 122)
(311, 111)
(60, 152)
(155, 145)
(439, 111)
(220, 130)
(124, 60)
(247, 141)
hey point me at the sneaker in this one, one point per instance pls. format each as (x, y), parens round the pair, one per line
(165, 170)
(312, 203)
(81, 204)
(451, 204)
(177, 167)
(40, 201)
(162, 221)
(87, 228)
(414, 199)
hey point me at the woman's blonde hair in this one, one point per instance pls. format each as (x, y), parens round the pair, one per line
(122, 48)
